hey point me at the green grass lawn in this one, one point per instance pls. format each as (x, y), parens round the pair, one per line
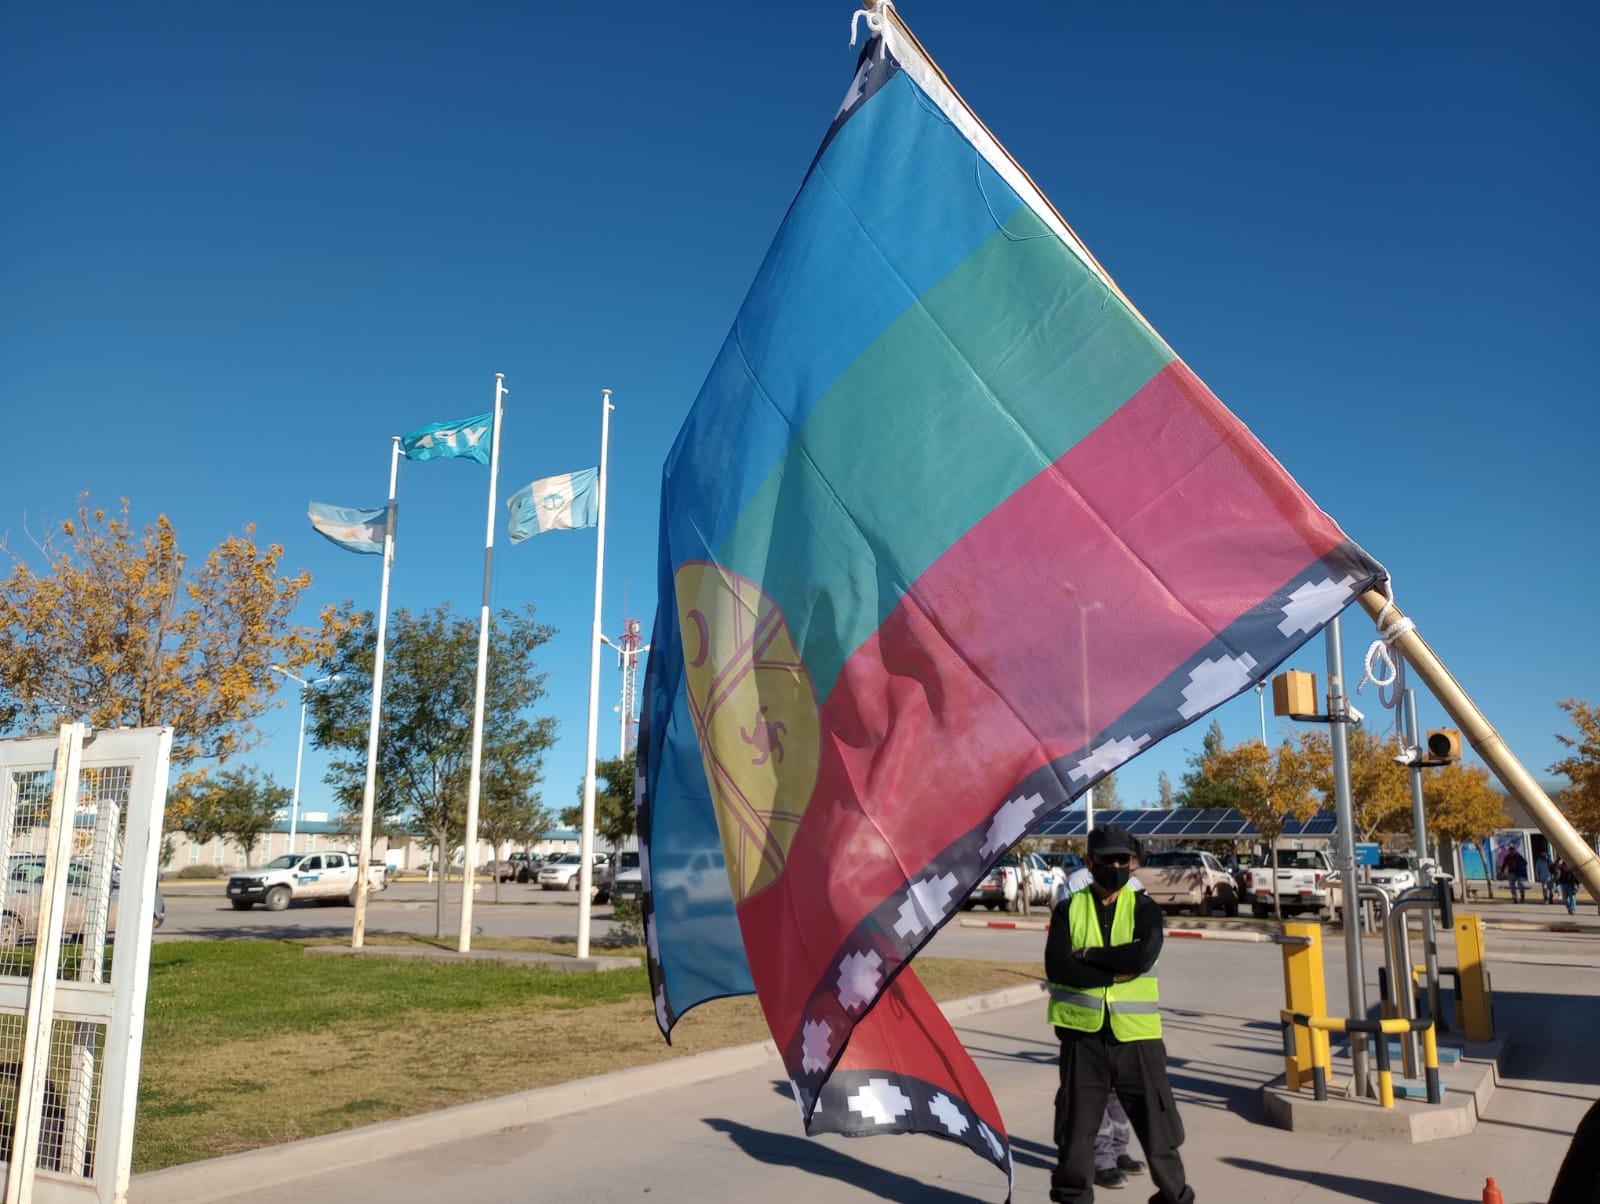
(251, 1043)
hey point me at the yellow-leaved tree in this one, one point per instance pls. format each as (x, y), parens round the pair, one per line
(1269, 787)
(1581, 800)
(114, 627)
(1463, 808)
(1380, 788)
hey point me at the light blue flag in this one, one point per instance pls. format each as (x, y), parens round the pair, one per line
(353, 530)
(562, 503)
(468, 438)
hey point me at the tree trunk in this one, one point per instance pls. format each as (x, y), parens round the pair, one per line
(499, 856)
(441, 839)
(1488, 866)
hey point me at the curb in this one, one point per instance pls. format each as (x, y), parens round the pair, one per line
(219, 1179)
(1220, 934)
(1536, 926)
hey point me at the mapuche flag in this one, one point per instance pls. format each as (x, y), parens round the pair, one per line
(949, 534)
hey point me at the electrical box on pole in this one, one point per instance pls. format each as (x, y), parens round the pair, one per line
(1294, 694)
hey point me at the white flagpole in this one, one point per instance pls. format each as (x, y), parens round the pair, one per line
(358, 929)
(586, 834)
(469, 862)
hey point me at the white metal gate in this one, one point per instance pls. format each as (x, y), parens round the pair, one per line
(80, 836)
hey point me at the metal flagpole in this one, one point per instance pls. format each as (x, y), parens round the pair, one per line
(469, 857)
(586, 833)
(1419, 822)
(1485, 741)
(358, 929)
(1339, 738)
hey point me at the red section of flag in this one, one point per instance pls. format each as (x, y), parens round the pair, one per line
(951, 698)
(907, 1034)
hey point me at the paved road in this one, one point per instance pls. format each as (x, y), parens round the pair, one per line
(201, 910)
(737, 1138)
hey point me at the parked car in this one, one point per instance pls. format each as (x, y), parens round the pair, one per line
(525, 866)
(1063, 861)
(1179, 878)
(628, 880)
(562, 874)
(1394, 874)
(1304, 880)
(1003, 886)
(19, 918)
(503, 869)
(324, 877)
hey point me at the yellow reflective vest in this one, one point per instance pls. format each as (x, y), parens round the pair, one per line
(1134, 1005)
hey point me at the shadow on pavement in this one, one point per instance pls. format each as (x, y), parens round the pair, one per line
(1544, 1029)
(1347, 1185)
(804, 1154)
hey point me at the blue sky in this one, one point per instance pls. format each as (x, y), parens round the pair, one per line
(242, 246)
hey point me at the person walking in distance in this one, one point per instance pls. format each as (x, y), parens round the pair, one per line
(1544, 875)
(1100, 959)
(1516, 866)
(1567, 880)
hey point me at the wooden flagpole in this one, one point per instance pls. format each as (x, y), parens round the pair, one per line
(1486, 742)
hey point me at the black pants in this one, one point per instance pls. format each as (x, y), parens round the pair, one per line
(1090, 1068)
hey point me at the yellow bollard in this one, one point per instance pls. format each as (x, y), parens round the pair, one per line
(1305, 992)
(1472, 974)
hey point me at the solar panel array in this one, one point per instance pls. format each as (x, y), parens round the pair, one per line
(1179, 823)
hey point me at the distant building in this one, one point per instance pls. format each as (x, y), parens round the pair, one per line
(318, 831)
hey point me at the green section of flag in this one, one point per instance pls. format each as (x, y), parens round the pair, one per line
(1000, 368)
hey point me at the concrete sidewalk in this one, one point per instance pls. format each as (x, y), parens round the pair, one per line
(725, 1128)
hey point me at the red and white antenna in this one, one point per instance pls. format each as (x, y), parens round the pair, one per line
(629, 645)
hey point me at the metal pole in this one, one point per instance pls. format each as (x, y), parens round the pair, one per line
(299, 755)
(586, 832)
(358, 926)
(1261, 703)
(1419, 821)
(469, 855)
(1339, 738)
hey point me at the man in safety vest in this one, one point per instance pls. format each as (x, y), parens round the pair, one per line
(1100, 958)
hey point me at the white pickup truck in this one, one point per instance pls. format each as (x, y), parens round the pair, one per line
(1304, 880)
(325, 877)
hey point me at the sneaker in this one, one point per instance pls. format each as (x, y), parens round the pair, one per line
(1129, 1166)
(1110, 1177)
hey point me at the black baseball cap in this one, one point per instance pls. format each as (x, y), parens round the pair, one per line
(1110, 841)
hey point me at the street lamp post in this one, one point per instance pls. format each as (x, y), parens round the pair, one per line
(300, 744)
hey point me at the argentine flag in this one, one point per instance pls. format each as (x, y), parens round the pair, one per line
(353, 530)
(562, 503)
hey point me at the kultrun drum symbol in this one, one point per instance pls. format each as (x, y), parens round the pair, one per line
(756, 716)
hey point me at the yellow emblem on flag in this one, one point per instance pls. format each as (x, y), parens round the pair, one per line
(755, 713)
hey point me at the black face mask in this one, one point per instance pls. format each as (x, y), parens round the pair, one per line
(1109, 877)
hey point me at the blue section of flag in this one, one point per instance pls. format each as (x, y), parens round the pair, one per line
(464, 439)
(354, 530)
(850, 211)
(560, 503)
(801, 328)
(695, 944)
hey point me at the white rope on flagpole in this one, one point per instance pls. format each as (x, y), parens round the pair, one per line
(469, 855)
(586, 832)
(358, 927)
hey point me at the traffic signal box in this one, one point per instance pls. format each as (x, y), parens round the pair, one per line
(1294, 692)
(1444, 744)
